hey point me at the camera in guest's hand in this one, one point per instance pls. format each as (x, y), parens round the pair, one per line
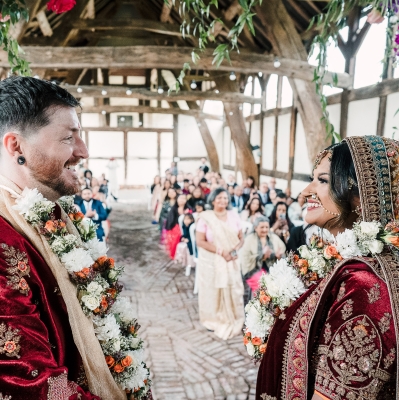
(282, 216)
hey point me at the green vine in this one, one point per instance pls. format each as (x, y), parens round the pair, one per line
(328, 25)
(11, 12)
(196, 22)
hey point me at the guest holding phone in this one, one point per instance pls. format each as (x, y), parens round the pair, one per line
(280, 222)
(220, 287)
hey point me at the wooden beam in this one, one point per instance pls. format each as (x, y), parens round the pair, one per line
(235, 120)
(145, 94)
(382, 112)
(165, 13)
(168, 58)
(148, 110)
(291, 162)
(113, 129)
(44, 24)
(286, 42)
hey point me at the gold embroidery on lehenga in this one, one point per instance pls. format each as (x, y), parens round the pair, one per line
(265, 396)
(59, 388)
(350, 365)
(374, 293)
(389, 359)
(341, 292)
(5, 397)
(18, 268)
(9, 341)
(347, 309)
(327, 333)
(385, 322)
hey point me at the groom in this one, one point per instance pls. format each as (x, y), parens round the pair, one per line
(40, 145)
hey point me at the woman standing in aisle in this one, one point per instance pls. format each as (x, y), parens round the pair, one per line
(220, 288)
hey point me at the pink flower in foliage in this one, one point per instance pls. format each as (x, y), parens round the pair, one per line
(5, 19)
(397, 38)
(60, 6)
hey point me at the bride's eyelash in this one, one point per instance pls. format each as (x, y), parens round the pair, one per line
(321, 180)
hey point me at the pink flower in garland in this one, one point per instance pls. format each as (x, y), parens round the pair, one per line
(60, 6)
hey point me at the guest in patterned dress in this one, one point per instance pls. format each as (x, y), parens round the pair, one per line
(339, 339)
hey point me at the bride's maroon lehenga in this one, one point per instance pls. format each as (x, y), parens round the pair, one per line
(344, 327)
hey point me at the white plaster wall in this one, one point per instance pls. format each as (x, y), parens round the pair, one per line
(392, 120)
(268, 140)
(283, 142)
(190, 139)
(362, 117)
(301, 162)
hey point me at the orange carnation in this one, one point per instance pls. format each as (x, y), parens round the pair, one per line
(104, 302)
(248, 334)
(331, 252)
(50, 226)
(78, 216)
(314, 277)
(303, 266)
(296, 258)
(394, 240)
(110, 361)
(262, 348)
(245, 340)
(126, 361)
(264, 299)
(256, 341)
(132, 329)
(112, 292)
(119, 368)
(86, 271)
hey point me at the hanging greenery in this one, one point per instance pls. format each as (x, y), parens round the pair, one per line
(330, 23)
(196, 22)
(11, 12)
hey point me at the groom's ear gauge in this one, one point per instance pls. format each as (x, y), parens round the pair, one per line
(21, 160)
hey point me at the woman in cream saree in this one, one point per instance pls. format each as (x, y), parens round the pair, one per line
(220, 287)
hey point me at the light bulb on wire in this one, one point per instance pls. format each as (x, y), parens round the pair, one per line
(193, 85)
(129, 92)
(276, 63)
(232, 76)
(103, 92)
(79, 90)
(160, 90)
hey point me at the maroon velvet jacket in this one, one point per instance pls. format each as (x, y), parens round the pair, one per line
(38, 357)
(338, 338)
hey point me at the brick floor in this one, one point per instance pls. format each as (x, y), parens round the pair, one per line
(187, 362)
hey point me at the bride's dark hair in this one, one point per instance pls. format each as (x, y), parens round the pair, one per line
(343, 184)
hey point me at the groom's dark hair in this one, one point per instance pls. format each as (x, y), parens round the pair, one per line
(25, 103)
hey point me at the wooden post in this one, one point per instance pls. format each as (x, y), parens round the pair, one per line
(263, 84)
(125, 158)
(252, 106)
(175, 136)
(159, 152)
(294, 115)
(277, 109)
(382, 110)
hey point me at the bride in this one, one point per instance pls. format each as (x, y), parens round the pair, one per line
(338, 340)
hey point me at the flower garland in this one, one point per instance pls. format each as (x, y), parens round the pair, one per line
(96, 279)
(289, 278)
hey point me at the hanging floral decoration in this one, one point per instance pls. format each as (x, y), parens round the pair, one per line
(289, 278)
(96, 278)
(60, 6)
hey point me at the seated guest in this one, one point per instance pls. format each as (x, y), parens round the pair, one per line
(180, 181)
(296, 208)
(264, 193)
(191, 188)
(260, 251)
(184, 251)
(90, 181)
(199, 208)
(239, 199)
(249, 185)
(173, 169)
(281, 197)
(280, 222)
(94, 210)
(252, 211)
(290, 199)
(204, 187)
(230, 190)
(272, 185)
(231, 181)
(186, 184)
(196, 196)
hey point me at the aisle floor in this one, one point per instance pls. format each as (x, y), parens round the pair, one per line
(187, 361)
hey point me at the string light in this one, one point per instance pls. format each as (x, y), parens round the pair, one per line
(140, 123)
(160, 90)
(193, 85)
(129, 92)
(103, 112)
(122, 119)
(231, 113)
(217, 91)
(103, 92)
(276, 63)
(232, 76)
(79, 90)
(36, 76)
(260, 74)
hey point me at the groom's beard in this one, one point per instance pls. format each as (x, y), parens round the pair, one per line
(52, 173)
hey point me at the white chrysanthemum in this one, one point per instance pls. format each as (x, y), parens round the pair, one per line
(250, 349)
(283, 283)
(137, 357)
(371, 229)
(318, 265)
(258, 320)
(134, 342)
(106, 328)
(91, 301)
(123, 307)
(61, 244)
(94, 288)
(29, 198)
(96, 248)
(305, 252)
(77, 259)
(376, 246)
(347, 244)
(137, 379)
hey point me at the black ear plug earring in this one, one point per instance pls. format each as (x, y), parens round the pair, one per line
(21, 160)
